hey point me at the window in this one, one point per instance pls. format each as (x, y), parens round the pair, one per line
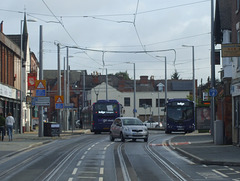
(145, 102)
(162, 102)
(126, 101)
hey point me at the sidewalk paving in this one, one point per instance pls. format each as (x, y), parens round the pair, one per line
(201, 148)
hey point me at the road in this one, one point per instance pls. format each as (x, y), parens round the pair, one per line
(94, 157)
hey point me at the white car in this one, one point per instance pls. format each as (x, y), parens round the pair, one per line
(151, 124)
(128, 128)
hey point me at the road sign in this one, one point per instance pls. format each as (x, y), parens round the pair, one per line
(59, 102)
(69, 105)
(230, 50)
(40, 92)
(40, 84)
(41, 101)
(213, 92)
(40, 88)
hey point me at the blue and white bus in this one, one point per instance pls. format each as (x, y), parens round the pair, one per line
(180, 115)
(104, 113)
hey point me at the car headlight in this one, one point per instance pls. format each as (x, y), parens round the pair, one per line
(127, 129)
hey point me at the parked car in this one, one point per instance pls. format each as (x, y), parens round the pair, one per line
(151, 124)
(128, 128)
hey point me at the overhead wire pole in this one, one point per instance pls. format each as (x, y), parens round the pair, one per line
(40, 131)
(212, 67)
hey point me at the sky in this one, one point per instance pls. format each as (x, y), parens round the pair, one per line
(114, 34)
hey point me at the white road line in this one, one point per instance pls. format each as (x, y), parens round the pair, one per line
(79, 163)
(70, 179)
(82, 157)
(100, 179)
(74, 171)
(223, 175)
(101, 171)
(102, 162)
(85, 152)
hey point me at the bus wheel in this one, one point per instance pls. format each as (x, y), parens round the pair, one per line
(122, 138)
(167, 131)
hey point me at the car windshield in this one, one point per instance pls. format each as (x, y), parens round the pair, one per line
(132, 122)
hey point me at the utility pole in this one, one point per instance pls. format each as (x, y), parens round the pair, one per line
(59, 83)
(212, 68)
(40, 131)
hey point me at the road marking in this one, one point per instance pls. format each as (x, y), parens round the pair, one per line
(85, 152)
(79, 163)
(223, 175)
(100, 179)
(101, 171)
(102, 162)
(74, 171)
(171, 144)
(82, 157)
(70, 179)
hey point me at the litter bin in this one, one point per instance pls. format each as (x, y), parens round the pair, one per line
(51, 129)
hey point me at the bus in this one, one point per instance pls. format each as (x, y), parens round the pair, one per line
(180, 116)
(104, 113)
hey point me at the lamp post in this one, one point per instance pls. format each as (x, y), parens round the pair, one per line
(134, 89)
(160, 89)
(21, 71)
(165, 60)
(193, 70)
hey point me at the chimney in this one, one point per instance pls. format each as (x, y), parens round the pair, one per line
(1, 27)
(144, 79)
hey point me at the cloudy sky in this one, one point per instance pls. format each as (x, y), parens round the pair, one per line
(110, 33)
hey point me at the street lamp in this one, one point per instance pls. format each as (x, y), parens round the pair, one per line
(160, 89)
(21, 70)
(193, 69)
(134, 90)
(165, 60)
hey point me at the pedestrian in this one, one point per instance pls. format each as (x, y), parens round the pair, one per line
(9, 123)
(2, 126)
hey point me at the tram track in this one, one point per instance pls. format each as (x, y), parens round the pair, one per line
(10, 167)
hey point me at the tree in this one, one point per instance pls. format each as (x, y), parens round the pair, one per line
(175, 75)
(124, 75)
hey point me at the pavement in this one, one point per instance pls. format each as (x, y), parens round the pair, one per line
(198, 147)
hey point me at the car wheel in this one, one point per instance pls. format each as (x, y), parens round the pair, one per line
(145, 139)
(111, 137)
(122, 138)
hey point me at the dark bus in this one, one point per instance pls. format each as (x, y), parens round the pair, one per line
(104, 113)
(180, 116)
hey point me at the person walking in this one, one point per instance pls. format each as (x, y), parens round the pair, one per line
(9, 123)
(2, 126)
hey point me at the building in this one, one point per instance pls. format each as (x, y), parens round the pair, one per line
(87, 89)
(14, 77)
